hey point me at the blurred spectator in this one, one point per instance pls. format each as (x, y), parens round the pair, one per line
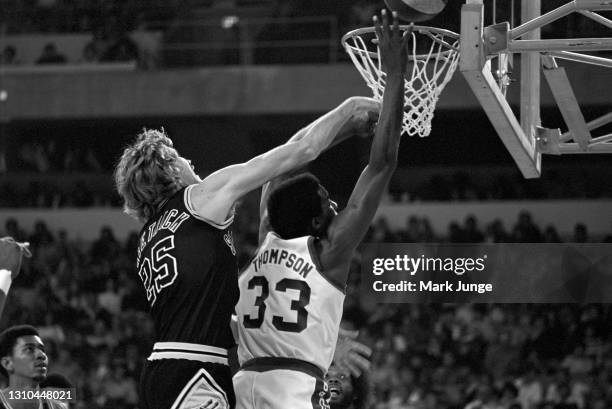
(551, 235)
(411, 233)
(496, 233)
(525, 231)
(91, 53)
(578, 363)
(41, 235)
(110, 299)
(580, 234)
(50, 55)
(484, 398)
(122, 49)
(120, 390)
(106, 247)
(565, 401)
(455, 233)
(509, 395)
(531, 393)
(471, 233)
(608, 238)
(380, 231)
(9, 56)
(11, 227)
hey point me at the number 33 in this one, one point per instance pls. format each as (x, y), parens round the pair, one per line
(278, 321)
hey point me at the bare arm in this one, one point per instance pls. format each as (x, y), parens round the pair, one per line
(349, 227)
(11, 253)
(361, 124)
(215, 195)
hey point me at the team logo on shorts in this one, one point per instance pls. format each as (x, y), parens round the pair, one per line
(324, 396)
(229, 240)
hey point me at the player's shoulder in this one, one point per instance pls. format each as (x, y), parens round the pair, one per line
(335, 273)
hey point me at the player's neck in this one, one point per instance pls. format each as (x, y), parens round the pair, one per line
(21, 382)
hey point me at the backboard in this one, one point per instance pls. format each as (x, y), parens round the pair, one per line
(486, 55)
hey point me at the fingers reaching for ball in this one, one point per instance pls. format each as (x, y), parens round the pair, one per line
(392, 42)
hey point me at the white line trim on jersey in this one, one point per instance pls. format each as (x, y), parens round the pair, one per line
(204, 376)
(194, 213)
(192, 356)
(185, 346)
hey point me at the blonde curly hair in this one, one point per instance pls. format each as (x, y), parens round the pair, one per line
(147, 174)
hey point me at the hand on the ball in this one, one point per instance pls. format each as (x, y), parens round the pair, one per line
(392, 43)
(11, 253)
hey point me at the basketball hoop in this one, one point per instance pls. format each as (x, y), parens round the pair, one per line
(432, 60)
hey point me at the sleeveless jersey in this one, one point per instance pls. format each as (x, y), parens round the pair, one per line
(287, 307)
(188, 268)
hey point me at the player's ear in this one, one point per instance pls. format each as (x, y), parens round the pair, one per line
(7, 363)
(316, 223)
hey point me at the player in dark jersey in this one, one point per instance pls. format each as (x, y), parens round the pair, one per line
(186, 255)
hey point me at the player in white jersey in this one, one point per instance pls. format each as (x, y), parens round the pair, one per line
(292, 292)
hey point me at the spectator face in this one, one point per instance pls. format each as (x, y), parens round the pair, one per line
(28, 361)
(340, 386)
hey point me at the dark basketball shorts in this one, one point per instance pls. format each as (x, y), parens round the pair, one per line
(185, 384)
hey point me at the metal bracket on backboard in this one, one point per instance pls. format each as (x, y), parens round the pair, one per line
(476, 68)
(496, 37)
(548, 140)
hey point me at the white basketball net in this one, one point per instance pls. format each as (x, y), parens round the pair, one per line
(432, 60)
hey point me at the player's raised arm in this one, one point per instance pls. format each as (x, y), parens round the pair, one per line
(348, 228)
(11, 253)
(216, 194)
(361, 124)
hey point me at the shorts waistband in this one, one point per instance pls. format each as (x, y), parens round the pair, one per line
(273, 363)
(193, 352)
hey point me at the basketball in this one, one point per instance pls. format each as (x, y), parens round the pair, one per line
(416, 10)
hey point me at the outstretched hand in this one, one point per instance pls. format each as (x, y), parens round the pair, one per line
(392, 43)
(364, 116)
(11, 253)
(350, 355)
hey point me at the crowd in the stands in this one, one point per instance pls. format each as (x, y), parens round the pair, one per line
(294, 31)
(87, 301)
